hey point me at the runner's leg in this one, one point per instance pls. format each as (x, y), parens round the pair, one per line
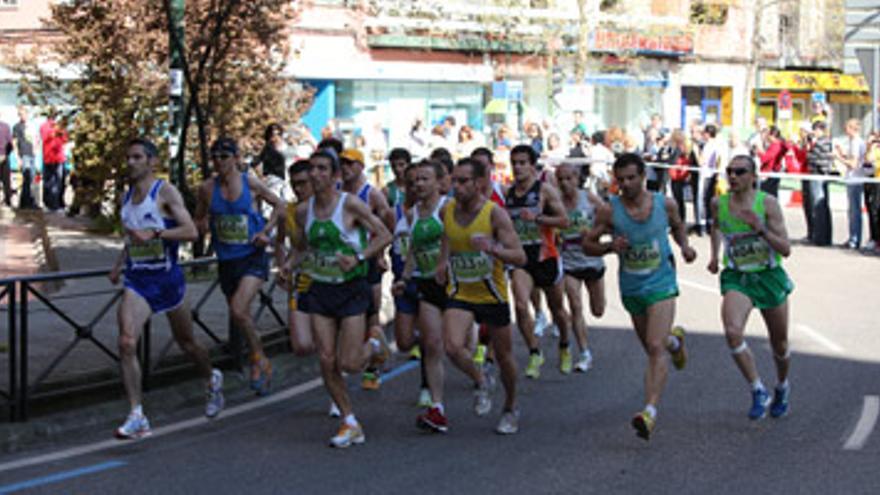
(132, 314)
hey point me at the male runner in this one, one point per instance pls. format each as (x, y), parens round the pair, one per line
(355, 182)
(640, 222)
(227, 204)
(334, 228)
(536, 211)
(579, 268)
(426, 235)
(394, 191)
(155, 221)
(752, 227)
(478, 239)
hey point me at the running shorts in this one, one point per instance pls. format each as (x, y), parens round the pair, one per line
(163, 290)
(232, 271)
(431, 292)
(587, 274)
(339, 300)
(492, 314)
(638, 305)
(766, 289)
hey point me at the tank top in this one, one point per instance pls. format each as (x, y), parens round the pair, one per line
(396, 196)
(646, 267)
(155, 254)
(326, 238)
(302, 280)
(234, 223)
(744, 249)
(400, 244)
(426, 236)
(474, 276)
(580, 218)
(537, 240)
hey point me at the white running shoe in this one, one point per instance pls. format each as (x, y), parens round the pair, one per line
(334, 410)
(216, 402)
(585, 362)
(348, 435)
(482, 401)
(135, 426)
(509, 423)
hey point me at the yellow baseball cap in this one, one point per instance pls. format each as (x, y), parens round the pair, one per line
(352, 155)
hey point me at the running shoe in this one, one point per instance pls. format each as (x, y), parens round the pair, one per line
(679, 357)
(540, 324)
(334, 411)
(489, 375)
(554, 331)
(565, 362)
(779, 407)
(384, 352)
(135, 426)
(643, 424)
(424, 398)
(480, 355)
(348, 435)
(509, 423)
(760, 402)
(415, 353)
(216, 402)
(584, 363)
(533, 370)
(370, 380)
(434, 420)
(265, 387)
(482, 401)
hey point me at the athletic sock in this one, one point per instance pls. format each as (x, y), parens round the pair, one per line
(439, 407)
(758, 385)
(138, 410)
(350, 420)
(651, 410)
(783, 385)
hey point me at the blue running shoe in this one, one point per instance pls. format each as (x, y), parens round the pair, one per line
(760, 402)
(779, 408)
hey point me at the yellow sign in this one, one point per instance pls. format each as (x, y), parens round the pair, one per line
(812, 81)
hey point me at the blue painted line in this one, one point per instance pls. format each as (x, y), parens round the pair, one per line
(398, 371)
(64, 475)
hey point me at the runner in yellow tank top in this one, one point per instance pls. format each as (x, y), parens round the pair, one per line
(478, 240)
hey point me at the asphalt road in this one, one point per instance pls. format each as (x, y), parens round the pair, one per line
(574, 432)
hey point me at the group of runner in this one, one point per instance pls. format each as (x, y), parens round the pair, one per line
(458, 240)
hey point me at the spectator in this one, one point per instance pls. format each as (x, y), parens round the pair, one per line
(872, 192)
(851, 153)
(579, 126)
(536, 139)
(697, 141)
(797, 152)
(24, 140)
(578, 144)
(711, 158)
(5, 169)
(466, 142)
(820, 160)
(554, 147)
(676, 154)
(771, 160)
(601, 159)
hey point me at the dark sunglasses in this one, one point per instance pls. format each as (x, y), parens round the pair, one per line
(737, 171)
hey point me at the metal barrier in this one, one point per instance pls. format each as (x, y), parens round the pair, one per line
(18, 292)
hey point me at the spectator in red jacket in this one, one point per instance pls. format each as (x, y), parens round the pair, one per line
(771, 160)
(54, 137)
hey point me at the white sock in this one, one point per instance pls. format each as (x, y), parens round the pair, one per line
(672, 343)
(375, 345)
(587, 354)
(651, 410)
(758, 385)
(138, 410)
(350, 420)
(783, 385)
(439, 407)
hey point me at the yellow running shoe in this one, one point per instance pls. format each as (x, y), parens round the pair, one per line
(533, 370)
(565, 362)
(480, 355)
(415, 353)
(644, 425)
(679, 357)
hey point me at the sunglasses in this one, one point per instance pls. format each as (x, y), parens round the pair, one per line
(221, 156)
(738, 171)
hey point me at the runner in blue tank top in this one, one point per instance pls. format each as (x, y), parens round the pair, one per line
(228, 207)
(639, 222)
(155, 222)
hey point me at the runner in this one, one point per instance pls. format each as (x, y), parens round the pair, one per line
(640, 222)
(579, 268)
(355, 182)
(478, 240)
(400, 160)
(420, 270)
(536, 210)
(155, 221)
(752, 227)
(333, 232)
(227, 204)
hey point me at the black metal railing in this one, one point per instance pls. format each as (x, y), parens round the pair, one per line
(22, 294)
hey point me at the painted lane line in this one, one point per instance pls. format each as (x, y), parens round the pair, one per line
(821, 339)
(410, 365)
(867, 421)
(186, 424)
(699, 286)
(62, 476)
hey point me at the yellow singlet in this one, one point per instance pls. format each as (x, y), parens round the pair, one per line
(474, 276)
(303, 281)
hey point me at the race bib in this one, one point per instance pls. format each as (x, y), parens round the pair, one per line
(641, 259)
(571, 235)
(323, 267)
(403, 245)
(232, 229)
(528, 231)
(426, 260)
(471, 266)
(749, 252)
(152, 250)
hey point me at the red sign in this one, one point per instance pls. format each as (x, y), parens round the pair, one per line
(606, 40)
(783, 101)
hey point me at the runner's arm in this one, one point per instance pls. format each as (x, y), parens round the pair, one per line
(557, 217)
(379, 205)
(775, 232)
(266, 194)
(591, 241)
(116, 269)
(203, 203)
(508, 249)
(186, 229)
(714, 238)
(379, 236)
(678, 231)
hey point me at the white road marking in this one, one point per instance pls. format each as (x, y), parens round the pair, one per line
(698, 286)
(818, 337)
(163, 430)
(867, 421)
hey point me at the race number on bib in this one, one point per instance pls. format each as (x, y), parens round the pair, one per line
(641, 259)
(471, 266)
(426, 260)
(152, 250)
(323, 267)
(749, 252)
(233, 229)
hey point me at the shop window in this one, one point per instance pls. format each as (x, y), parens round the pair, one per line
(713, 93)
(692, 95)
(710, 13)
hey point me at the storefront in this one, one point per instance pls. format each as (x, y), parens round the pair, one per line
(713, 93)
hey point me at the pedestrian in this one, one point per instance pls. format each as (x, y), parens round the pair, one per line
(820, 161)
(851, 153)
(5, 166)
(712, 156)
(640, 223)
(872, 192)
(53, 137)
(228, 207)
(772, 159)
(676, 154)
(752, 227)
(24, 141)
(156, 221)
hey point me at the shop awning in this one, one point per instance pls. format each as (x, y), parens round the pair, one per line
(796, 80)
(622, 80)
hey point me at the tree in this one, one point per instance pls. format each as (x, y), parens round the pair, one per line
(235, 54)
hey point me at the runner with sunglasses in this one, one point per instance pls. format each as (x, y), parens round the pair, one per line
(752, 228)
